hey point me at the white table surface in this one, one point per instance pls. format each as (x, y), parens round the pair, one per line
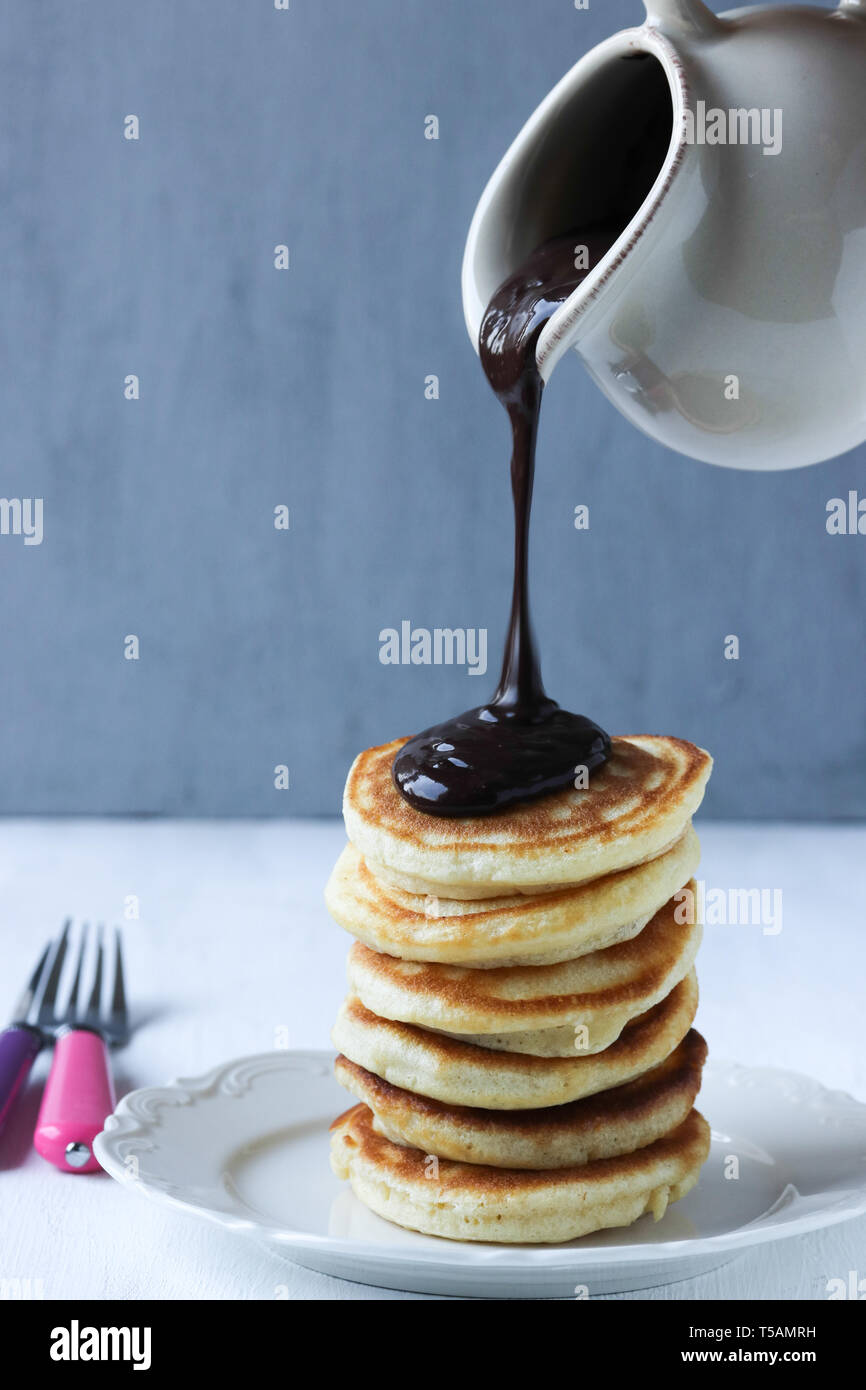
(233, 944)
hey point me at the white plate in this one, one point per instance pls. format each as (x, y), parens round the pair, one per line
(247, 1147)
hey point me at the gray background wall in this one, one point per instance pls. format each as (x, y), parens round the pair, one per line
(306, 387)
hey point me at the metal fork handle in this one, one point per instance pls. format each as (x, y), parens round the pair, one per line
(19, 1047)
(78, 1096)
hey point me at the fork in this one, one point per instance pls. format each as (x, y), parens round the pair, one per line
(79, 1092)
(22, 1041)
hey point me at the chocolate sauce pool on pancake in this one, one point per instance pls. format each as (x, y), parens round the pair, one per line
(521, 745)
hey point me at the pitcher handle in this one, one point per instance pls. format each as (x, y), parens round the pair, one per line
(684, 15)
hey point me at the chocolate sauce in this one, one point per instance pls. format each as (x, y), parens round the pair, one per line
(520, 745)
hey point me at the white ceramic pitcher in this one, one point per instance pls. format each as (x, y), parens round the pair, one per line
(728, 321)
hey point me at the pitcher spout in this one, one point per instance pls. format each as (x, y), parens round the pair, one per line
(606, 146)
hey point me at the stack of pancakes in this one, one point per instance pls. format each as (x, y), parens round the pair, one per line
(521, 993)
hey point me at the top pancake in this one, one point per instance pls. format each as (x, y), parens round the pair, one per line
(636, 806)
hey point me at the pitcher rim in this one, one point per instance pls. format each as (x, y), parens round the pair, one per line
(558, 334)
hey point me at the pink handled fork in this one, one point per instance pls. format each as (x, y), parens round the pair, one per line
(79, 1092)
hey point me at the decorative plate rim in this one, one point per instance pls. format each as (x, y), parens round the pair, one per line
(130, 1129)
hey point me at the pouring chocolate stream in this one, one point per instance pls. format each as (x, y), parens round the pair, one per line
(521, 744)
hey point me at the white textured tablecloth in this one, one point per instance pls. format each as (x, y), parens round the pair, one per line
(233, 943)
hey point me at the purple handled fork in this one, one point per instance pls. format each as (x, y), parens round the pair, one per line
(22, 1041)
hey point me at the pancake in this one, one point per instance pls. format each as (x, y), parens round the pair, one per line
(636, 806)
(465, 1201)
(579, 1006)
(423, 888)
(461, 1073)
(615, 1122)
(504, 931)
